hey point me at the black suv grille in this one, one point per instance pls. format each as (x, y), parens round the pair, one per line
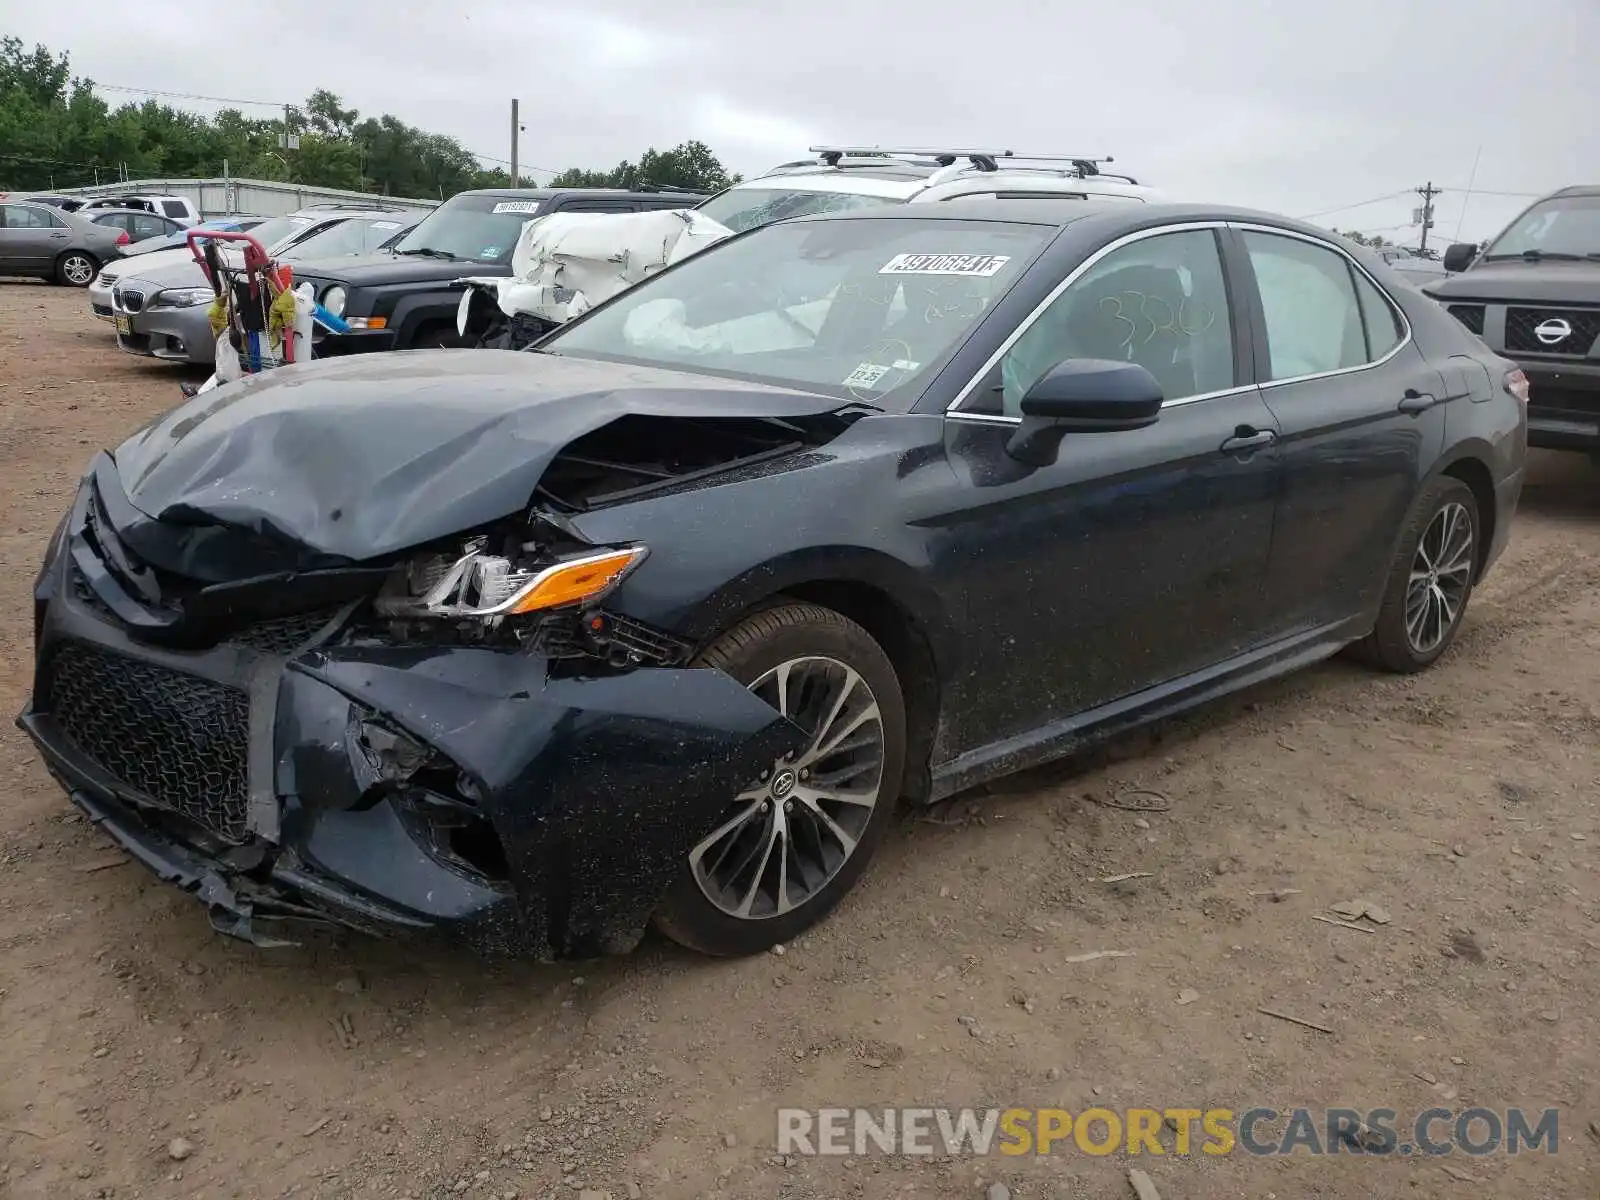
(180, 740)
(1470, 315)
(1522, 324)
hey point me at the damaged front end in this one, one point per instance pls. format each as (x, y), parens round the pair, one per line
(460, 737)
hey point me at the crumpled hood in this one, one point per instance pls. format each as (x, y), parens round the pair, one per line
(361, 457)
(1517, 281)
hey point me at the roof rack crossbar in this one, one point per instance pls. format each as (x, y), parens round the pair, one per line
(981, 159)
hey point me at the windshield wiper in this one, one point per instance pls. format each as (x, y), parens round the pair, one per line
(430, 252)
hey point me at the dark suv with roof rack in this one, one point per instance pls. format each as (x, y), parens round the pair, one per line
(407, 297)
(1533, 293)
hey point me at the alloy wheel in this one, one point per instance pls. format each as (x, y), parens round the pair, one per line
(78, 270)
(789, 833)
(1441, 574)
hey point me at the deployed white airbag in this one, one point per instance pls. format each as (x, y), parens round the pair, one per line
(566, 263)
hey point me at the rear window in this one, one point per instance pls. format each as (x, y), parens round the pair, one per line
(745, 208)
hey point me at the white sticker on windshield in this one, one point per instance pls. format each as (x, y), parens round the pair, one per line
(517, 206)
(945, 264)
(865, 375)
(386, 224)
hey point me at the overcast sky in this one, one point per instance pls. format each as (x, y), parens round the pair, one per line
(1290, 105)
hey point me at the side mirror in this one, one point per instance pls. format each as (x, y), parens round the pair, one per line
(1459, 257)
(1083, 395)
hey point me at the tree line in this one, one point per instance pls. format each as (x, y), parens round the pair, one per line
(56, 132)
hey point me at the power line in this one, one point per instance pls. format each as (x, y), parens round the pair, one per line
(1328, 212)
(111, 87)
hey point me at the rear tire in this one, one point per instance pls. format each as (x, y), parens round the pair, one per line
(1430, 581)
(783, 836)
(76, 268)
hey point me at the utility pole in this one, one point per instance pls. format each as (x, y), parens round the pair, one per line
(516, 126)
(1424, 215)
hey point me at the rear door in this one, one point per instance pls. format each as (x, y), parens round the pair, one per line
(30, 238)
(1361, 414)
(1136, 557)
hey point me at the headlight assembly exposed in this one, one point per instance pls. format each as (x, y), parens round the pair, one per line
(492, 586)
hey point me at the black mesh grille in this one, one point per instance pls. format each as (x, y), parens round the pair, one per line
(283, 634)
(1470, 315)
(180, 740)
(1522, 325)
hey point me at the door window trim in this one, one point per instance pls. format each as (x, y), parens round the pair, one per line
(1352, 265)
(954, 409)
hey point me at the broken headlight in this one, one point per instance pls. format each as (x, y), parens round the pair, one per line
(492, 586)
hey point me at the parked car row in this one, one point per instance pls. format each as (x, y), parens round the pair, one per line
(158, 302)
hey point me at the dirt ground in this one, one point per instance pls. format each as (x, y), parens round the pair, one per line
(1462, 801)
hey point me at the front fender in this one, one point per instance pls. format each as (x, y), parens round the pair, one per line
(597, 788)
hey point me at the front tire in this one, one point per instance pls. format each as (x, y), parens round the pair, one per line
(1430, 580)
(788, 847)
(76, 269)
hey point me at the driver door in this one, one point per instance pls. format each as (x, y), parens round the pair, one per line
(1136, 557)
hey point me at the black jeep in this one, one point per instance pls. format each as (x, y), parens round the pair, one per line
(1533, 294)
(407, 297)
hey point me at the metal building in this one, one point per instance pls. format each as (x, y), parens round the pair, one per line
(220, 196)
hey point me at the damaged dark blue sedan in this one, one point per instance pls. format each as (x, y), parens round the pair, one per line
(657, 621)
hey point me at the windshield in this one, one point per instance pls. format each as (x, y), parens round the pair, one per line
(181, 237)
(848, 308)
(1565, 226)
(471, 228)
(359, 235)
(744, 208)
(273, 233)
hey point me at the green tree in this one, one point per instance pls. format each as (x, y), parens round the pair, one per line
(690, 165)
(56, 132)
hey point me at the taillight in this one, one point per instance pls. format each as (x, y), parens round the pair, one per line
(123, 239)
(1517, 385)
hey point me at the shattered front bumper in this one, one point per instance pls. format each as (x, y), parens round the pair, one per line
(275, 776)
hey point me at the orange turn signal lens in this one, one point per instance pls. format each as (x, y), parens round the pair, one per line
(586, 578)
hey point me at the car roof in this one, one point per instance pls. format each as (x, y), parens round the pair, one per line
(1577, 189)
(545, 193)
(358, 213)
(1113, 217)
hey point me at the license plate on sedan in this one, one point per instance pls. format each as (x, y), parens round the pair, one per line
(124, 324)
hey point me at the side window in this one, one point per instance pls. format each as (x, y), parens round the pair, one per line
(23, 216)
(1384, 327)
(1160, 302)
(175, 208)
(149, 227)
(1309, 301)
